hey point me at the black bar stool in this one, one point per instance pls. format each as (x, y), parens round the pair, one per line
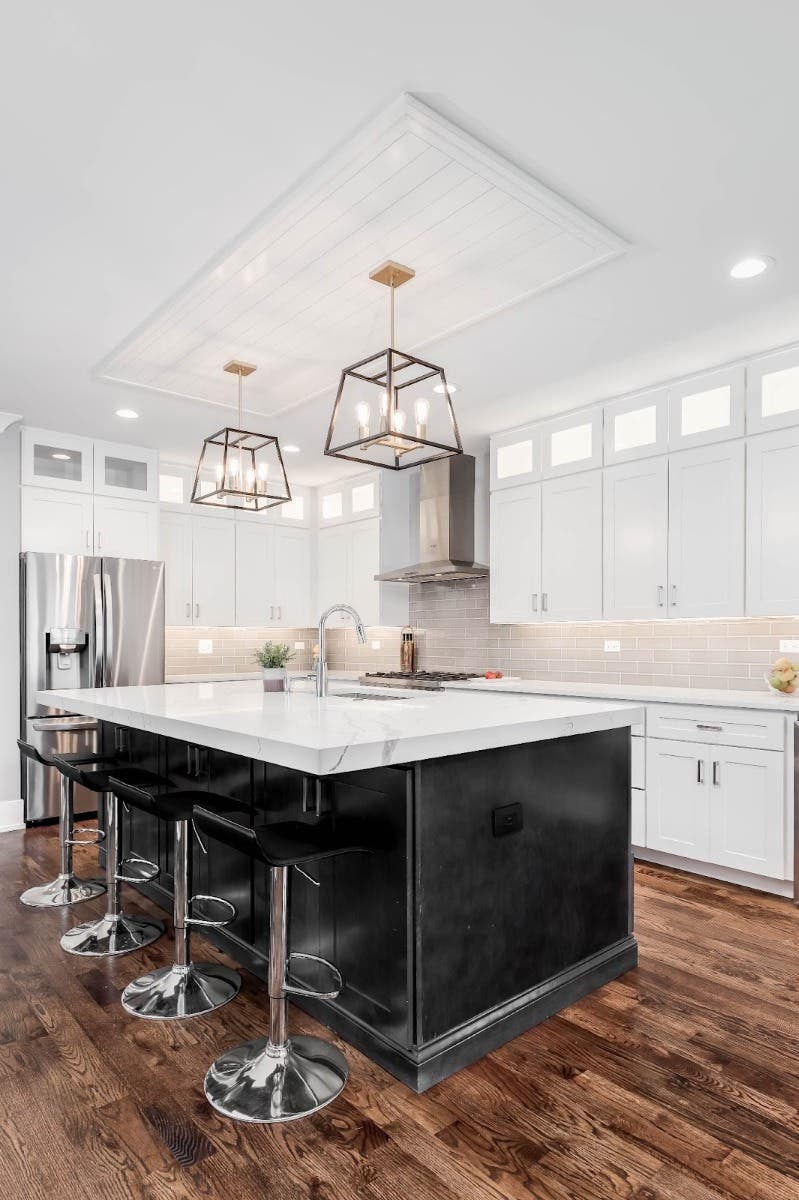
(116, 932)
(281, 1078)
(66, 888)
(186, 988)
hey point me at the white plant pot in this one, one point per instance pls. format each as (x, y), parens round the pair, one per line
(274, 679)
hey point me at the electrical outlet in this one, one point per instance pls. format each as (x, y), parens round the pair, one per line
(789, 645)
(375, 645)
(205, 646)
(612, 647)
(299, 645)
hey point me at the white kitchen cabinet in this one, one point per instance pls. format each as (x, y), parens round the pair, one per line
(176, 552)
(364, 565)
(293, 579)
(772, 391)
(772, 520)
(126, 528)
(572, 443)
(635, 514)
(678, 798)
(354, 499)
(125, 472)
(571, 548)
(747, 810)
(333, 571)
(56, 460)
(515, 544)
(636, 427)
(255, 573)
(56, 522)
(706, 532)
(516, 457)
(213, 571)
(707, 408)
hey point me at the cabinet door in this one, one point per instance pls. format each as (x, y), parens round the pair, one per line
(572, 443)
(256, 598)
(571, 548)
(126, 528)
(515, 575)
(56, 522)
(333, 571)
(636, 427)
(772, 519)
(635, 539)
(126, 472)
(214, 571)
(747, 810)
(772, 391)
(176, 553)
(678, 798)
(56, 460)
(364, 565)
(293, 586)
(515, 457)
(707, 408)
(706, 531)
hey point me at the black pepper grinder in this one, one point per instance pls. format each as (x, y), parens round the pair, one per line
(407, 650)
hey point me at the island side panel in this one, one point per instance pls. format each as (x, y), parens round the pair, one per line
(500, 914)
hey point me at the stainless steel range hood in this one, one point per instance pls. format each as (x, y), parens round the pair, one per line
(446, 525)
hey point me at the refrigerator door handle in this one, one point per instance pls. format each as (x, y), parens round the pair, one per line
(108, 626)
(99, 632)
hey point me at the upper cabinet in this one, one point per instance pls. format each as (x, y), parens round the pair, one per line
(515, 568)
(572, 443)
(354, 499)
(772, 391)
(635, 540)
(516, 457)
(54, 522)
(571, 516)
(707, 408)
(637, 427)
(772, 519)
(57, 460)
(125, 472)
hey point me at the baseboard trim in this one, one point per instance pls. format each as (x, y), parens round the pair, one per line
(760, 883)
(12, 815)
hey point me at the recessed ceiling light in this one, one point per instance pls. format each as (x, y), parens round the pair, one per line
(450, 388)
(291, 449)
(747, 268)
(61, 457)
(127, 414)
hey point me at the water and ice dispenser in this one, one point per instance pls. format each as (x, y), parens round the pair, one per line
(66, 658)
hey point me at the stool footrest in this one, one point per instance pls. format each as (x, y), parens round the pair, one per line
(97, 836)
(326, 993)
(208, 922)
(136, 869)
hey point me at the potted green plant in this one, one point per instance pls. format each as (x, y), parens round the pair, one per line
(273, 657)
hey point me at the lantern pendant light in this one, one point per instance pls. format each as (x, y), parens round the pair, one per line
(240, 469)
(393, 409)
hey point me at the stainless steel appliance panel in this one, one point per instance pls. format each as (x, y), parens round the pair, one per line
(131, 638)
(58, 592)
(41, 785)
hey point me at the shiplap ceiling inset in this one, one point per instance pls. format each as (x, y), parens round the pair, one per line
(293, 294)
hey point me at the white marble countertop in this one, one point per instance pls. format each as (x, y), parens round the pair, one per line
(339, 733)
(641, 694)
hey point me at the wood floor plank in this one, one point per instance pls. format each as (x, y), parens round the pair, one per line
(679, 1081)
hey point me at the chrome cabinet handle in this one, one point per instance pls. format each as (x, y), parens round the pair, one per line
(544, 601)
(271, 612)
(711, 728)
(188, 609)
(700, 771)
(660, 595)
(280, 612)
(88, 540)
(99, 539)
(535, 601)
(196, 610)
(674, 595)
(716, 773)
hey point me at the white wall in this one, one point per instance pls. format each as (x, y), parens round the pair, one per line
(11, 814)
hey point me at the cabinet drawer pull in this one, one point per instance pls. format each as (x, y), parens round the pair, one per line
(535, 601)
(544, 601)
(660, 595)
(674, 595)
(711, 728)
(716, 773)
(700, 771)
(188, 609)
(196, 610)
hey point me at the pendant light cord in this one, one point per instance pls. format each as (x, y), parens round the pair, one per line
(241, 386)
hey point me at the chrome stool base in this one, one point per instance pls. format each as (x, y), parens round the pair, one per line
(66, 889)
(174, 992)
(259, 1082)
(109, 935)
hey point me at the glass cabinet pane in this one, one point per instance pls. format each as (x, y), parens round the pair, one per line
(780, 392)
(772, 391)
(332, 506)
(636, 428)
(571, 445)
(363, 497)
(703, 411)
(515, 459)
(708, 408)
(293, 510)
(57, 463)
(125, 473)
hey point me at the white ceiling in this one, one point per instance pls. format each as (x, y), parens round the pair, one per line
(138, 142)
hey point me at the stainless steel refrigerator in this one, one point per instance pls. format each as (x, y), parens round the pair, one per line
(84, 622)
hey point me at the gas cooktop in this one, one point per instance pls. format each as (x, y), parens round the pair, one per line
(429, 680)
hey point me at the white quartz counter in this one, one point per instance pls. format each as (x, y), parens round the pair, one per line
(635, 693)
(341, 733)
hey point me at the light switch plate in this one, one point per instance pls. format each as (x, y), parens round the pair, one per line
(612, 647)
(205, 646)
(789, 645)
(375, 645)
(299, 645)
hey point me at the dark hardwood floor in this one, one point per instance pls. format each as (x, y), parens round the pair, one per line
(678, 1081)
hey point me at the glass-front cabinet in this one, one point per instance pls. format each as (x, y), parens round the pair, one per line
(125, 472)
(57, 460)
(707, 408)
(637, 426)
(516, 457)
(772, 391)
(572, 443)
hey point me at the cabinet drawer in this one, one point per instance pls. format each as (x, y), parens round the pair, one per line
(638, 762)
(719, 726)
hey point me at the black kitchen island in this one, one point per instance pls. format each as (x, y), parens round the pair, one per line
(498, 892)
